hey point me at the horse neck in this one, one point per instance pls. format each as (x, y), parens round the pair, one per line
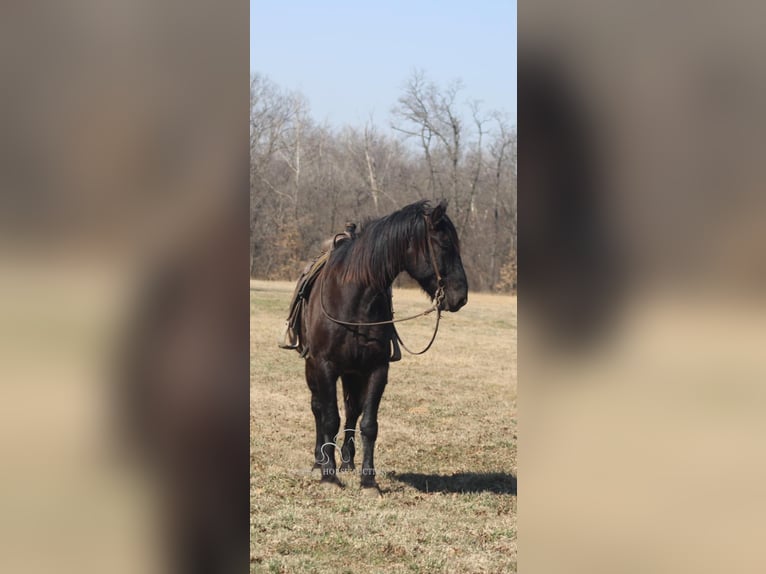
(375, 258)
(386, 269)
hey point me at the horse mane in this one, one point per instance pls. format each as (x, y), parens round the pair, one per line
(377, 254)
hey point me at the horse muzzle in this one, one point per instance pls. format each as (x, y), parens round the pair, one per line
(454, 302)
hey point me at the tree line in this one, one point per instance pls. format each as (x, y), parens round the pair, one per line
(307, 179)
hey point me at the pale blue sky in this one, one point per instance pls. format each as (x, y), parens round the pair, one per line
(350, 58)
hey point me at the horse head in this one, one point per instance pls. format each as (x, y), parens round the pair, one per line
(436, 264)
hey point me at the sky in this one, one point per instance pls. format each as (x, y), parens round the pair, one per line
(351, 58)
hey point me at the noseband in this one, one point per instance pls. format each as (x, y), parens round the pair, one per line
(435, 305)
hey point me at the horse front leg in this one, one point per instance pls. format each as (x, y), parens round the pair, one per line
(330, 425)
(369, 427)
(352, 389)
(324, 404)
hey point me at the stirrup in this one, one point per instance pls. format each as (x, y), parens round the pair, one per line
(289, 339)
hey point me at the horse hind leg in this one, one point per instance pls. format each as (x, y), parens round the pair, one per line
(316, 408)
(352, 399)
(313, 380)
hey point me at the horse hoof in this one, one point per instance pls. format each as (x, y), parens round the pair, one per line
(347, 467)
(372, 491)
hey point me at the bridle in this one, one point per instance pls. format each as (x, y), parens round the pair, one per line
(435, 304)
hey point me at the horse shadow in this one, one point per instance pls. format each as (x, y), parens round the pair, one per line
(460, 482)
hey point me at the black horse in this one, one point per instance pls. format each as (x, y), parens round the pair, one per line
(355, 287)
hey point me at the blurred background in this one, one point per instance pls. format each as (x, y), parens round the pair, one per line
(123, 291)
(642, 238)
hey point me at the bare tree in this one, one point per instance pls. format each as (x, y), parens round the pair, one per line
(503, 153)
(431, 114)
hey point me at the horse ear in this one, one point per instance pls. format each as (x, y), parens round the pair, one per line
(437, 213)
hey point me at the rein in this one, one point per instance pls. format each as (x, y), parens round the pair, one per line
(438, 298)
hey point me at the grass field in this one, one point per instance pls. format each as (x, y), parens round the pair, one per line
(446, 450)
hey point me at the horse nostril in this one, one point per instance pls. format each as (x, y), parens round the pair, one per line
(462, 301)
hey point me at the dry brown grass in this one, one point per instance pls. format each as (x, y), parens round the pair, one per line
(446, 448)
